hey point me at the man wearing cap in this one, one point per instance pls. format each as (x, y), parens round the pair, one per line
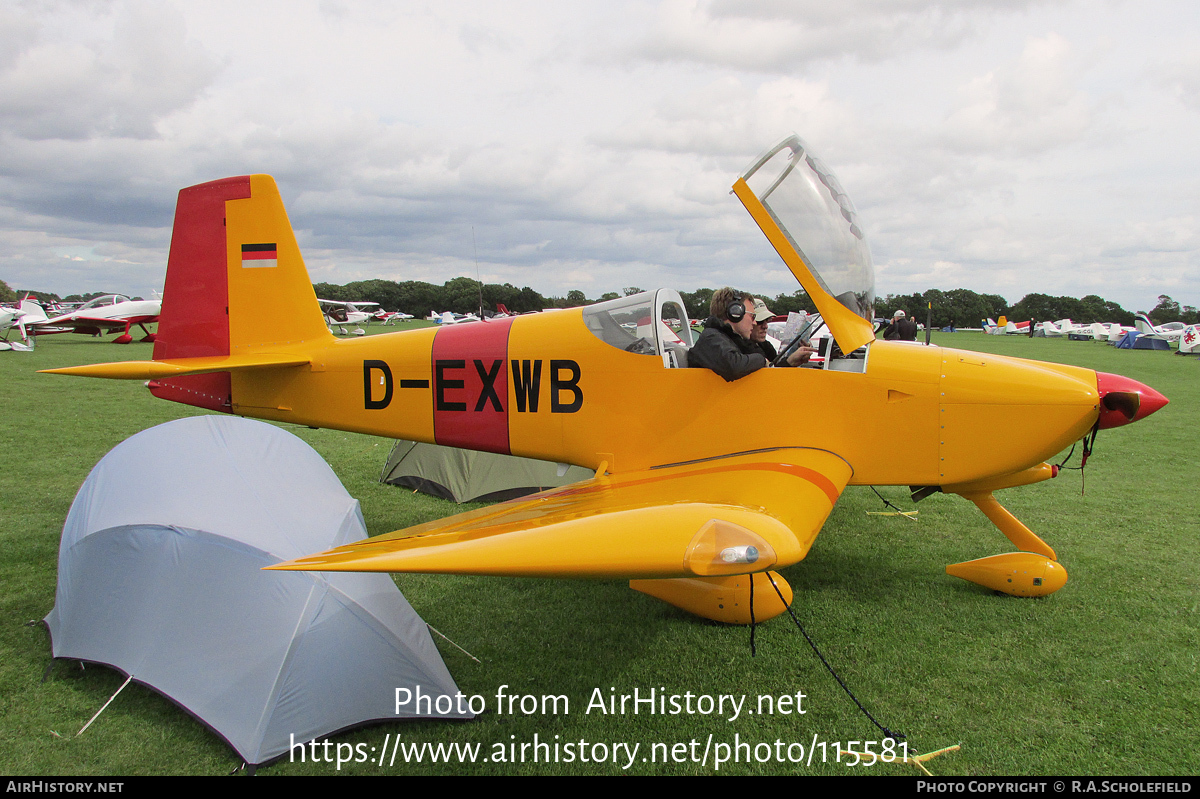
(901, 328)
(725, 345)
(762, 315)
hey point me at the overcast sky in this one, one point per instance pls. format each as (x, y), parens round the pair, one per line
(1002, 146)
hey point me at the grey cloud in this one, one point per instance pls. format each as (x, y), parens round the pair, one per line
(1031, 104)
(477, 38)
(821, 12)
(731, 119)
(1182, 76)
(778, 36)
(16, 31)
(115, 87)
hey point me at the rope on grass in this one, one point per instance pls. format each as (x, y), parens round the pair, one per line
(907, 513)
(753, 623)
(887, 732)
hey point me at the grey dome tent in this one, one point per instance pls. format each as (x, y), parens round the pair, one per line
(159, 577)
(463, 475)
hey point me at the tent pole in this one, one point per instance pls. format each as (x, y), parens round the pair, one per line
(106, 704)
(456, 646)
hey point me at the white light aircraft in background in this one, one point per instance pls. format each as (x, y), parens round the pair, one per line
(107, 313)
(1109, 332)
(451, 318)
(339, 314)
(1170, 331)
(1004, 326)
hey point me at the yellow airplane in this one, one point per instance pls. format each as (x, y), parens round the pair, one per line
(698, 494)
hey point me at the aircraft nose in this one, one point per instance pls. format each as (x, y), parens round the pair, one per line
(1123, 400)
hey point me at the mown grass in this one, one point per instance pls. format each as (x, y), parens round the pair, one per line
(1100, 678)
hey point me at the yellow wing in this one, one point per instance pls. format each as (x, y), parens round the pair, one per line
(730, 515)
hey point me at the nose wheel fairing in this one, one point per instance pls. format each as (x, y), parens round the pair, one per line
(1014, 573)
(1035, 571)
(1032, 572)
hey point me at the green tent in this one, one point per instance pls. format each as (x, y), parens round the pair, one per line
(463, 475)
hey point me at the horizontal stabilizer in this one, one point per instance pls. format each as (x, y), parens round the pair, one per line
(732, 515)
(175, 367)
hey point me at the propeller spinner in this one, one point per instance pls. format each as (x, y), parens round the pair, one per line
(1123, 400)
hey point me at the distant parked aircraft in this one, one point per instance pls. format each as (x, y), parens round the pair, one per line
(1168, 332)
(107, 313)
(339, 314)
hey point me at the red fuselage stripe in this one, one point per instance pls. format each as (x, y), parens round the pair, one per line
(470, 385)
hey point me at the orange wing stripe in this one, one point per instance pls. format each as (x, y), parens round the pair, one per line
(811, 475)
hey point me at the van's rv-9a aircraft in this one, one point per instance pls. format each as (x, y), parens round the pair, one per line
(692, 500)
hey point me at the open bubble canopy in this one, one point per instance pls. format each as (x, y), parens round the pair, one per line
(159, 576)
(819, 220)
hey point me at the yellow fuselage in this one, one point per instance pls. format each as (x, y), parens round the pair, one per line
(917, 415)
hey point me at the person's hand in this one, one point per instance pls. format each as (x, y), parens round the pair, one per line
(801, 355)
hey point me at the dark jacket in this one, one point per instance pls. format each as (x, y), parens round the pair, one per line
(903, 329)
(725, 352)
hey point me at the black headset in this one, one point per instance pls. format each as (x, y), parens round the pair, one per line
(736, 310)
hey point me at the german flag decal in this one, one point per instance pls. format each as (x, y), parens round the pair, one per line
(259, 255)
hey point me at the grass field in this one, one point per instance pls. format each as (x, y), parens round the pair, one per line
(1100, 678)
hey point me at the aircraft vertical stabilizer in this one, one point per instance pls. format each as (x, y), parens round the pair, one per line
(235, 282)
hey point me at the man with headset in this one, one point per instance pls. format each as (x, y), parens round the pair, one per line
(725, 345)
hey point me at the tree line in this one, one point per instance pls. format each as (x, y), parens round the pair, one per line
(965, 308)
(463, 295)
(960, 307)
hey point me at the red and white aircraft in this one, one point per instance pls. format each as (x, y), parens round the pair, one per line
(107, 313)
(387, 317)
(1189, 339)
(27, 317)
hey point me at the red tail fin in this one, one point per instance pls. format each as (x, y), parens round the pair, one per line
(195, 312)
